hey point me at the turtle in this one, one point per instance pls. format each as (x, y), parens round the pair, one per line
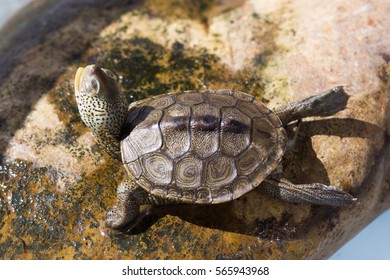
(198, 147)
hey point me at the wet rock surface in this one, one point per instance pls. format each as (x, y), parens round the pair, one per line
(56, 184)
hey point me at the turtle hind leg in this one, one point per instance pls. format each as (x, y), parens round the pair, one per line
(315, 193)
(127, 207)
(126, 212)
(324, 104)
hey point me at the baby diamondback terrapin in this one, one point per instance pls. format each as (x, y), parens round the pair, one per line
(197, 147)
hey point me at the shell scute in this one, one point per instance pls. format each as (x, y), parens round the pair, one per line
(175, 126)
(190, 98)
(163, 102)
(220, 100)
(158, 168)
(173, 193)
(249, 160)
(203, 195)
(188, 172)
(205, 136)
(222, 195)
(243, 96)
(220, 170)
(241, 186)
(250, 109)
(235, 131)
(146, 136)
(135, 168)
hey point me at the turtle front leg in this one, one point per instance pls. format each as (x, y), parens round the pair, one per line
(315, 193)
(126, 211)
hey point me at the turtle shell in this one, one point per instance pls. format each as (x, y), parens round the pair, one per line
(202, 147)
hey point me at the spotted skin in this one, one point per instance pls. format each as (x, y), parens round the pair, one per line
(104, 110)
(196, 147)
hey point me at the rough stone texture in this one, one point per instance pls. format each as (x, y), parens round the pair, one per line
(56, 185)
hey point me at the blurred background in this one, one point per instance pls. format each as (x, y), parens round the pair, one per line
(371, 243)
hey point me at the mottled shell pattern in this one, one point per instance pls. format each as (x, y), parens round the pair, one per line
(202, 147)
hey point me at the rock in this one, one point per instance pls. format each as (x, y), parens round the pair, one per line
(56, 184)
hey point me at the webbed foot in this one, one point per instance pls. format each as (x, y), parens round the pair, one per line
(315, 193)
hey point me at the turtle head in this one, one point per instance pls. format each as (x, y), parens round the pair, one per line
(102, 107)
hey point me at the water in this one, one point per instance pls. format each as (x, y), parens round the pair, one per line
(371, 243)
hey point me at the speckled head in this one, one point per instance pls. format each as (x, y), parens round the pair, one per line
(102, 107)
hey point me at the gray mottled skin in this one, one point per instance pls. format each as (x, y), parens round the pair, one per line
(106, 111)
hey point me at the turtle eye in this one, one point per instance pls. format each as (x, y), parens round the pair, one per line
(90, 87)
(94, 85)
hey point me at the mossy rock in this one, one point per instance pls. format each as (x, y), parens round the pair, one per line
(56, 184)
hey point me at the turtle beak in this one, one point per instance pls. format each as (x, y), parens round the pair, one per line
(77, 79)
